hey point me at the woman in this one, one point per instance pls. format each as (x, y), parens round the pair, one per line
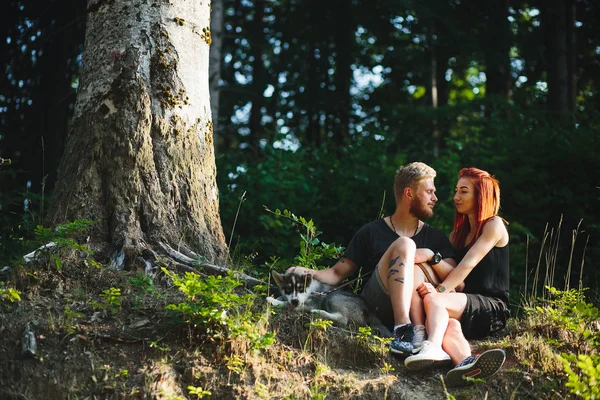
(481, 241)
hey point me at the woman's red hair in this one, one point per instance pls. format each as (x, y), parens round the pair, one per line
(487, 204)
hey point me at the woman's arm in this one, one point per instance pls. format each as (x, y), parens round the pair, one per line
(493, 233)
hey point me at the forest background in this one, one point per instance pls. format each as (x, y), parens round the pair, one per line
(317, 103)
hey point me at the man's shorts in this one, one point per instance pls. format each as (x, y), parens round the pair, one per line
(378, 299)
(483, 316)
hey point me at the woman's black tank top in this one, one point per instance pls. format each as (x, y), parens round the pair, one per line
(491, 276)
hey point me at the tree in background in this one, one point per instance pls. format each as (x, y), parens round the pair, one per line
(139, 157)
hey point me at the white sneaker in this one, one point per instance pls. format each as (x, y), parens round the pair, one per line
(430, 354)
(419, 337)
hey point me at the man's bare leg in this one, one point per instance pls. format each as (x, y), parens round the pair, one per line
(395, 270)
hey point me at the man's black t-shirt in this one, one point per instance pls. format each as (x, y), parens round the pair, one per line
(372, 240)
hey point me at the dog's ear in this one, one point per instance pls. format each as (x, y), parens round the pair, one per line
(278, 278)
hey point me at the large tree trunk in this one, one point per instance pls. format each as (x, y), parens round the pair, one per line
(139, 158)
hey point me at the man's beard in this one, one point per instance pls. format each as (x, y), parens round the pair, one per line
(420, 210)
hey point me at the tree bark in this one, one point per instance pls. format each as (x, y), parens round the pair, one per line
(139, 159)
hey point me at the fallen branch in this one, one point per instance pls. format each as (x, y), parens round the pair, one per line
(215, 269)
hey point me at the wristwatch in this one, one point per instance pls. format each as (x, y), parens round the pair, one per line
(440, 289)
(436, 259)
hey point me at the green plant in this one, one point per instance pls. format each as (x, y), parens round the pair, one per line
(110, 299)
(235, 363)
(387, 368)
(261, 390)
(198, 391)
(9, 294)
(312, 249)
(64, 238)
(213, 305)
(155, 345)
(124, 374)
(70, 319)
(583, 373)
(569, 310)
(322, 324)
(142, 282)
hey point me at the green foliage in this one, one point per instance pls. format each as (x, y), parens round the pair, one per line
(64, 236)
(69, 320)
(110, 300)
(9, 295)
(321, 324)
(198, 391)
(214, 305)
(312, 250)
(583, 372)
(142, 282)
(340, 192)
(570, 311)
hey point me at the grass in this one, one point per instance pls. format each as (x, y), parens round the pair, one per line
(104, 333)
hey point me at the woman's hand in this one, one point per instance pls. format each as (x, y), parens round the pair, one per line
(426, 288)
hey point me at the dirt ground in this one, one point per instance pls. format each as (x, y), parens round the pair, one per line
(138, 350)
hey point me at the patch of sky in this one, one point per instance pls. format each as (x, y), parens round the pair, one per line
(541, 86)
(517, 65)
(240, 78)
(520, 81)
(242, 114)
(228, 57)
(448, 75)
(266, 119)
(269, 91)
(476, 77)
(289, 142)
(367, 80)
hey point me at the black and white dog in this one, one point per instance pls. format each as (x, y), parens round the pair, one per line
(306, 293)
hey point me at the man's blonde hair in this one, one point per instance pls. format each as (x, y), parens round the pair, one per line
(410, 175)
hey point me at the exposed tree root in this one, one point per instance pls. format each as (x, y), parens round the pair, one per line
(188, 263)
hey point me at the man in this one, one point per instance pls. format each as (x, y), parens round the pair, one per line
(390, 247)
